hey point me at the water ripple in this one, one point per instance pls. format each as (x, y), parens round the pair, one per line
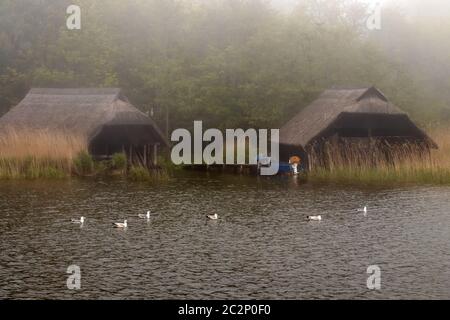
(261, 248)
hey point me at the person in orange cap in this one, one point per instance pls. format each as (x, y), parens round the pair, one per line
(295, 161)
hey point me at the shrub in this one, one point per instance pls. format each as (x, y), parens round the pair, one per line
(83, 163)
(119, 161)
(141, 174)
(101, 167)
(167, 165)
(138, 173)
(52, 173)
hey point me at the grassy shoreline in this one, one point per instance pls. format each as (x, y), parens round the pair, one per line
(44, 155)
(382, 177)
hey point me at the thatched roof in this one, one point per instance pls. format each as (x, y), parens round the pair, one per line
(82, 112)
(316, 118)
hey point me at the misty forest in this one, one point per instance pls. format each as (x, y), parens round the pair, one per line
(230, 63)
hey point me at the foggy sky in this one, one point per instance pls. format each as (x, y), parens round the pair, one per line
(431, 8)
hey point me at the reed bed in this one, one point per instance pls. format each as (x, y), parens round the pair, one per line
(377, 164)
(38, 154)
(43, 154)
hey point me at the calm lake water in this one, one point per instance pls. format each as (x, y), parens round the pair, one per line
(261, 248)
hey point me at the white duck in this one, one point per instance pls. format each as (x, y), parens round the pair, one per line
(213, 217)
(314, 218)
(145, 216)
(81, 221)
(120, 225)
(363, 210)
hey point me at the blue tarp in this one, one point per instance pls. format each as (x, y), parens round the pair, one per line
(285, 167)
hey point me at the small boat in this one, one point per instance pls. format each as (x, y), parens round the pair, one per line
(213, 217)
(314, 218)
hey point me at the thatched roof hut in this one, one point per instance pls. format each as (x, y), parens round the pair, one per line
(339, 114)
(103, 116)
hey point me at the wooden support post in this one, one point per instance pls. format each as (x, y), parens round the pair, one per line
(369, 134)
(131, 154)
(145, 156)
(149, 156)
(155, 154)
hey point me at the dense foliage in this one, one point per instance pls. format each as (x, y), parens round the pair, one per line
(230, 63)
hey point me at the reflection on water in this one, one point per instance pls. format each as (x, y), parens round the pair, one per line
(262, 246)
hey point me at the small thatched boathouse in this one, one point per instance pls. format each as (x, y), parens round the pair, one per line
(104, 117)
(351, 124)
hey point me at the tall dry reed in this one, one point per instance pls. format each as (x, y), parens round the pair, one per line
(34, 154)
(380, 162)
